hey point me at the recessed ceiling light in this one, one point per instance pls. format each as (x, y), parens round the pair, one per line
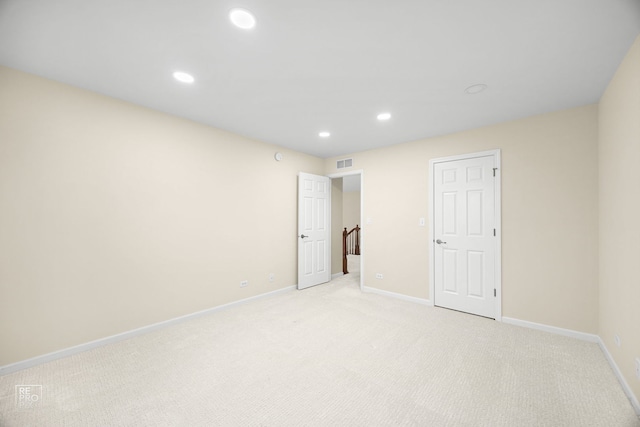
(384, 116)
(472, 90)
(183, 77)
(324, 134)
(242, 18)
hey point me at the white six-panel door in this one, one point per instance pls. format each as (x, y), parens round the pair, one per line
(464, 234)
(314, 245)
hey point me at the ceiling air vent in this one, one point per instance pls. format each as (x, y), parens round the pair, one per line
(346, 163)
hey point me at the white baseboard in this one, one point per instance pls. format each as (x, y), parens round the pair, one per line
(552, 329)
(621, 380)
(584, 337)
(397, 296)
(335, 276)
(49, 357)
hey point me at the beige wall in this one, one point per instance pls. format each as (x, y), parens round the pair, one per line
(351, 209)
(619, 163)
(114, 217)
(336, 225)
(549, 214)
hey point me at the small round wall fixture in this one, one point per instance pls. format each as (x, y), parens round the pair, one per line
(278, 156)
(472, 90)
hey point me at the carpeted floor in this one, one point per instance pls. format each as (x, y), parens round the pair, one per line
(328, 356)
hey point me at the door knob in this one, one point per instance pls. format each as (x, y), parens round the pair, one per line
(440, 242)
(302, 236)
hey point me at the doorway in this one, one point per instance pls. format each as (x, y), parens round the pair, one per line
(347, 212)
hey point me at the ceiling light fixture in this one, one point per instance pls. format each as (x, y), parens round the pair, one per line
(384, 116)
(324, 134)
(472, 90)
(242, 18)
(183, 77)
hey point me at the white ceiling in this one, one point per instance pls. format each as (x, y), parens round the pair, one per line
(351, 183)
(332, 65)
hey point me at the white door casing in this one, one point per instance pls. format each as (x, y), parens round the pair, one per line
(314, 230)
(465, 255)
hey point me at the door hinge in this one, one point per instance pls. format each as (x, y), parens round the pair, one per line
(494, 232)
(494, 293)
(494, 171)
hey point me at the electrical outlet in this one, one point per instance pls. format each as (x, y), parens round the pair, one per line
(638, 368)
(272, 277)
(616, 338)
(379, 276)
(244, 283)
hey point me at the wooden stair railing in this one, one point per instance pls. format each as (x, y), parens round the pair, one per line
(350, 245)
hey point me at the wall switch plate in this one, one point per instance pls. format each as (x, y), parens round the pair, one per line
(379, 276)
(421, 222)
(638, 368)
(616, 339)
(244, 283)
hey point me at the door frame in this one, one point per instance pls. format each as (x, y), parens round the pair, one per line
(498, 222)
(362, 235)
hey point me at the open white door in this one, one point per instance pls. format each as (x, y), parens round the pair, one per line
(314, 231)
(466, 234)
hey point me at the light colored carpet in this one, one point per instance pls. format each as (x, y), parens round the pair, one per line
(329, 356)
